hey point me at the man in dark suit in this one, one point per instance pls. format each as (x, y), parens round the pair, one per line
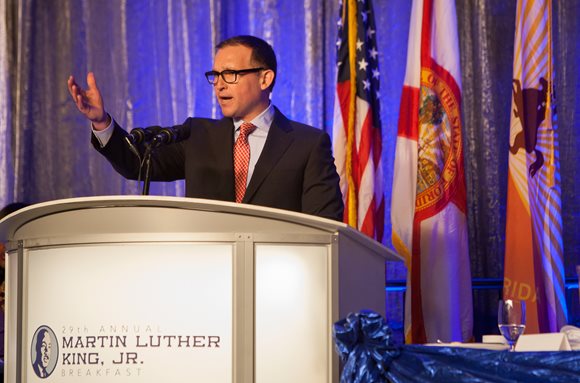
(289, 165)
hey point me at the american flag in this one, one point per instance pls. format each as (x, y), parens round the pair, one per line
(357, 124)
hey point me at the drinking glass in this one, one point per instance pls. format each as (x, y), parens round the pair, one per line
(511, 320)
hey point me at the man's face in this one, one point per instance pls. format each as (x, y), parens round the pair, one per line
(45, 350)
(249, 96)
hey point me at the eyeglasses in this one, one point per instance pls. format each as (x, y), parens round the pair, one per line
(229, 76)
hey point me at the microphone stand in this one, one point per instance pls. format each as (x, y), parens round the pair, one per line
(147, 158)
(163, 137)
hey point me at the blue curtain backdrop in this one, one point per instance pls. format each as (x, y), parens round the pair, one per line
(149, 57)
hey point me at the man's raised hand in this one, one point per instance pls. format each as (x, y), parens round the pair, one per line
(89, 102)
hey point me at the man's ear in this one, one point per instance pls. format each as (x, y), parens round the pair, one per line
(267, 78)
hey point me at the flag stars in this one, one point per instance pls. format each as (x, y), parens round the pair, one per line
(365, 63)
(362, 64)
(364, 16)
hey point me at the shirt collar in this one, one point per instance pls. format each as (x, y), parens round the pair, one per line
(263, 121)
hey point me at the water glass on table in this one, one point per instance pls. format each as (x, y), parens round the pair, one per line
(511, 320)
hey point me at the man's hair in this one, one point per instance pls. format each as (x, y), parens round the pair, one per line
(262, 53)
(39, 338)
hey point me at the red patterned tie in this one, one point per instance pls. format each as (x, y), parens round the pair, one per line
(242, 159)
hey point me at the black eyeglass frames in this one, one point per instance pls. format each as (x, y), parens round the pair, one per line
(230, 76)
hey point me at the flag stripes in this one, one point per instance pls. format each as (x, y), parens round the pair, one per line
(357, 130)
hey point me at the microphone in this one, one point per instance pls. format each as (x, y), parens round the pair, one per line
(139, 135)
(166, 136)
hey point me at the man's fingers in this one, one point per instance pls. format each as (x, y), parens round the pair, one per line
(77, 93)
(91, 81)
(80, 103)
(88, 101)
(70, 83)
(72, 87)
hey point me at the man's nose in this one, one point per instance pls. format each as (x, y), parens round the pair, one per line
(220, 83)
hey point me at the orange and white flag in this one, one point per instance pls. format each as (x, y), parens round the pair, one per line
(534, 265)
(428, 210)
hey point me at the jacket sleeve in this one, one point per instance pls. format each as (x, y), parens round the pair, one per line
(321, 194)
(167, 162)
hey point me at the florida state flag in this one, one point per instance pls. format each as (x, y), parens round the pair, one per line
(534, 265)
(429, 204)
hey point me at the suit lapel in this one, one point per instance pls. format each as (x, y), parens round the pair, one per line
(277, 143)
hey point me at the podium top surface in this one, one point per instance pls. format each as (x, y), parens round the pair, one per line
(229, 213)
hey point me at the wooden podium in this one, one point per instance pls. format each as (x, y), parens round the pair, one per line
(152, 289)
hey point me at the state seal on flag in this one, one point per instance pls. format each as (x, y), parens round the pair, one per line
(439, 141)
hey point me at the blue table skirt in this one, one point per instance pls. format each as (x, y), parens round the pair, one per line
(364, 343)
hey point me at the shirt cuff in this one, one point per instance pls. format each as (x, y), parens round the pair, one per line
(103, 136)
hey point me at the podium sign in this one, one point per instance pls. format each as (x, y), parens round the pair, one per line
(291, 285)
(128, 312)
(149, 289)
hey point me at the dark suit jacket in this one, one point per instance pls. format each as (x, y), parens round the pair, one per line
(294, 172)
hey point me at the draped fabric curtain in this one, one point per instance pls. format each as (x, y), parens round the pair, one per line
(149, 57)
